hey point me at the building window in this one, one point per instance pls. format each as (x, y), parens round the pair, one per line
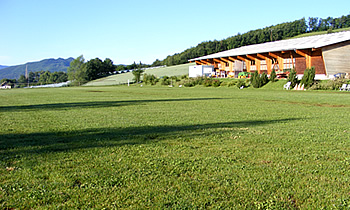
(288, 63)
(263, 65)
(252, 63)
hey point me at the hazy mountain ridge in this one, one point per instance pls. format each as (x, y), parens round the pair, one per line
(51, 65)
(2, 67)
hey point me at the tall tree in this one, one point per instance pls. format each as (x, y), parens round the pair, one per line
(108, 67)
(137, 73)
(77, 71)
(94, 69)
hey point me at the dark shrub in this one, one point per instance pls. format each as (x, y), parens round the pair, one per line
(207, 83)
(241, 83)
(292, 77)
(308, 77)
(232, 83)
(216, 83)
(273, 76)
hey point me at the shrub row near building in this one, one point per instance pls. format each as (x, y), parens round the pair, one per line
(256, 81)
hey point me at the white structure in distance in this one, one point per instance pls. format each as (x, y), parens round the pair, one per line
(200, 71)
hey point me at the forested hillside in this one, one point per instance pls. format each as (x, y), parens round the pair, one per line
(51, 65)
(2, 67)
(271, 33)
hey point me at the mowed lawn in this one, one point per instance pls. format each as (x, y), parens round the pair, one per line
(161, 147)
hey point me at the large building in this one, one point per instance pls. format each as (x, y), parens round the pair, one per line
(329, 54)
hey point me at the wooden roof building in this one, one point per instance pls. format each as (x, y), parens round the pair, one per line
(329, 54)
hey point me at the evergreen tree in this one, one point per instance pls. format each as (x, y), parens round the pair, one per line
(255, 79)
(264, 79)
(137, 73)
(292, 77)
(273, 75)
(308, 77)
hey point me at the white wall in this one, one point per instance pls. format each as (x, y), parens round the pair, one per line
(199, 70)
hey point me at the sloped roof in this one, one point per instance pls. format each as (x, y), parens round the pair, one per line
(309, 42)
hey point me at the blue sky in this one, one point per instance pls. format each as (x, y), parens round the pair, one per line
(134, 30)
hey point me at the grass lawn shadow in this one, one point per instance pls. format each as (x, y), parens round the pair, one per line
(92, 104)
(12, 145)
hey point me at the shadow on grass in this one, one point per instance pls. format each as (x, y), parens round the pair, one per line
(35, 143)
(92, 104)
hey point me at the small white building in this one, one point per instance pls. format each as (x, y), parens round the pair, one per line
(200, 71)
(5, 85)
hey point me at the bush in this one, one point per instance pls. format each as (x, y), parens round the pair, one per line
(292, 77)
(258, 81)
(216, 83)
(330, 84)
(150, 79)
(189, 83)
(255, 79)
(208, 83)
(241, 83)
(199, 80)
(232, 83)
(223, 84)
(273, 76)
(185, 76)
(175, 78)
(264, 79)
(166, 81)
(194, 81)
(308, 77)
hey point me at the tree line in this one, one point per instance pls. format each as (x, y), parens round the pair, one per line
(271, 33)
(37, 78)
(80, 71)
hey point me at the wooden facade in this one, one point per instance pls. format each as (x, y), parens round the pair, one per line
(329, 54)
(265, 62)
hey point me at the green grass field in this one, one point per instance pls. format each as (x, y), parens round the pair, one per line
(118, 79)
(159, 147)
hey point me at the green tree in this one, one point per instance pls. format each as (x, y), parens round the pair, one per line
(53, 77)
(22, 80)
(273, 75)
(108, 67)
(308, 77)
(264, 79)
(94, 69)
(293, 78)
(45, 78)
(149, 79)
(255, 79)
(137, 74)
(31, 77)
(77, 71)
(62, 77)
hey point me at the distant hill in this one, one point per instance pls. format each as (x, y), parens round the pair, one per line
(123, 78)
(52, 65)
(2, 67)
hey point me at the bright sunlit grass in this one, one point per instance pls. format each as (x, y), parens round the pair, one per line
(160, 147)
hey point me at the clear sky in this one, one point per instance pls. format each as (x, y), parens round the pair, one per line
(135, 30)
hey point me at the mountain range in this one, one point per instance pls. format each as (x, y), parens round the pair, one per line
(2, 67)
(51, 65)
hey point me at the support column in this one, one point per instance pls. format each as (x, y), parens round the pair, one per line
(246, 60)
(257, 62)
(279, 59)
(307, 55)
(268, 62)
